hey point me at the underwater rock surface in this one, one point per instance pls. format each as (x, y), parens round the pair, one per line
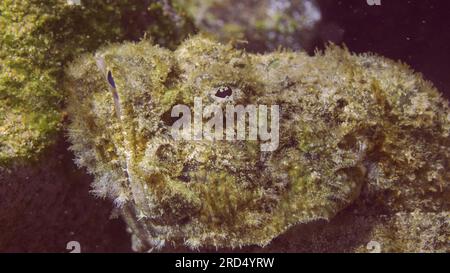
(38, 38)
(357, 130)
(265, 25)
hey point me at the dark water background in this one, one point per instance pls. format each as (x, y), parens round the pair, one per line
(32, 219)
(417, 32)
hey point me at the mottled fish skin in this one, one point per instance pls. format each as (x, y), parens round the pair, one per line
(353, 129)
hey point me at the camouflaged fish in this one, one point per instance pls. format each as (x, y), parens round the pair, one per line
(350, 126)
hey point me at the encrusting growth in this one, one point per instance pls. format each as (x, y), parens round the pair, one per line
(351, 127)
(38, 38)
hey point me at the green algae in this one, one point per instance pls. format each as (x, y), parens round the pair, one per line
(38, 38)
(257, 25)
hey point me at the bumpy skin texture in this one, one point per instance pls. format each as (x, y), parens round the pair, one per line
(38, 38)
(353, 129)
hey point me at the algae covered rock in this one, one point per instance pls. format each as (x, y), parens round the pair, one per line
(38, 38)
(352, 129)
(265, 24)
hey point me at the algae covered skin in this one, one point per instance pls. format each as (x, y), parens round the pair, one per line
(38, 38)
(350, 126)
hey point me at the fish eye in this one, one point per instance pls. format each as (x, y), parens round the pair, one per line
(224, 91)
